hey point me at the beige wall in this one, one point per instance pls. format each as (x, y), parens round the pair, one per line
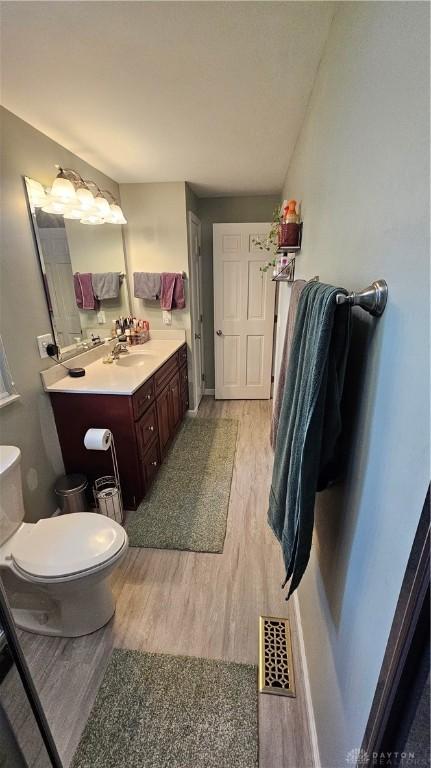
(28, 423)
(156, 241)
(361, 169)
(215, 210)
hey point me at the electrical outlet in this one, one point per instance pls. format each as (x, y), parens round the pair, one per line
(101, 319)
(42, 343)
(167, 317)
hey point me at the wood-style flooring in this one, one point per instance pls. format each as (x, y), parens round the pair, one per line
(190, 603)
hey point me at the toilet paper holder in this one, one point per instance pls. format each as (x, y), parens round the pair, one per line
(106, 489)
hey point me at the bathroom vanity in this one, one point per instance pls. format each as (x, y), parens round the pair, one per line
(142, 398)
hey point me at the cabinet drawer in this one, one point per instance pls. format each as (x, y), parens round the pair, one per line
(151, 462)
(143, 398)
(147, 427)
(182, 355)
(166, 372)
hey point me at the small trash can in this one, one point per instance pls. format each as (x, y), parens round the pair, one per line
(71, 491)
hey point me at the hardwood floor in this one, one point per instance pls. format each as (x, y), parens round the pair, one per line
(190, 603)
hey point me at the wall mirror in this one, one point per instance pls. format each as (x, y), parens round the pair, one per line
(84, 275)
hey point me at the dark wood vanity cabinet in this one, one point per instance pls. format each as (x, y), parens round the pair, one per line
(143, 424)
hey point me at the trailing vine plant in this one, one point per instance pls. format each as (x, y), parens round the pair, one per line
(270, 243)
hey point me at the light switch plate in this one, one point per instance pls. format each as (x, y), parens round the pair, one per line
(167, 317)
(101, 319)
(42, 343)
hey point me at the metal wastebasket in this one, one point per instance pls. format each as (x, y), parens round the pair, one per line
(71, 491)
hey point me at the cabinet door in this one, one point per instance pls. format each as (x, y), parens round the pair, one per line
(175, 410)
(151, 463)
(163, 418)
(147, 428)
(184, 388)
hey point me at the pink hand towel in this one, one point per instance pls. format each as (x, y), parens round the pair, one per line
(172, 291)
(83, 285)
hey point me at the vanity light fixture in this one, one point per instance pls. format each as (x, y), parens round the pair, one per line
(37, 194)
(63, 189)
(73, 197)
(53, 206)
(86, 199)
(72, 213)
(117, 215)
(92, 219)
(102, 205)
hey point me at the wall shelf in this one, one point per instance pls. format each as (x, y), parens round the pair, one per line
(286, 274)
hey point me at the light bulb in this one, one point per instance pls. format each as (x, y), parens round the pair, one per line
(73, 213)
(85, 198)
(117, 215)
(92, 220)
(53, 206)
(103, 206)
(36, 193)
(63, 190)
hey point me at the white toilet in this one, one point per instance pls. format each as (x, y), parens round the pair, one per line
(56, 571)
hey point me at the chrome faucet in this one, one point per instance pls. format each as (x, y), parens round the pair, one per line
(119, 348)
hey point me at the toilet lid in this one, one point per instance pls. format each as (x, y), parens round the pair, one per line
(67, 544)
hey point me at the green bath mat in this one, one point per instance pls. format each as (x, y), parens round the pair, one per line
(187, 505)
(157, 711)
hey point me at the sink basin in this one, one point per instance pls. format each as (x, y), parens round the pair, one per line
(134, 360)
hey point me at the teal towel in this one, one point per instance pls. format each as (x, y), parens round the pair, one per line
(310, 422)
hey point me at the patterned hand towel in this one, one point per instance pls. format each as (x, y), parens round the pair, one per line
(295, 293)
(310, 422)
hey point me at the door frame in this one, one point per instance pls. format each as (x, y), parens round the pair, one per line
(197, 312)
(407, 623)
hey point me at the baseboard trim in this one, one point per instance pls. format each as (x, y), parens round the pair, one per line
(307, 687)
(209, 392)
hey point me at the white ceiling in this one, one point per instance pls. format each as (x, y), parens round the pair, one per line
(209, 92)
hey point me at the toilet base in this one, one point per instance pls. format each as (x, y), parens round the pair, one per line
(74, 607)
(70, 615)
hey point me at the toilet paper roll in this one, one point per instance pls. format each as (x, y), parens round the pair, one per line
(98, 439)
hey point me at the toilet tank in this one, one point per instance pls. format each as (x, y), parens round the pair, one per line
(11, 501)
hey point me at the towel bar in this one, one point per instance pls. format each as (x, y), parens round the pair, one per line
(373, 298)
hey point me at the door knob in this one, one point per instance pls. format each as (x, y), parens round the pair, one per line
(219, 332)
(197, 335)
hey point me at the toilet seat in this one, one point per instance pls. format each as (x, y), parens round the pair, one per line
(67, 545)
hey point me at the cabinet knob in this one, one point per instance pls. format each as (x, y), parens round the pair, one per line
(154, 463)
(219, 333)
(148, 397)
(150, 428)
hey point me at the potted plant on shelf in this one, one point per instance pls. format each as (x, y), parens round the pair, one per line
(285, 235)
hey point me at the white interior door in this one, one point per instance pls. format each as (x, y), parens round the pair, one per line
(196, 307)
(243, 313)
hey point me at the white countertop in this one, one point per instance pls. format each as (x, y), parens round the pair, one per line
(122, 377)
